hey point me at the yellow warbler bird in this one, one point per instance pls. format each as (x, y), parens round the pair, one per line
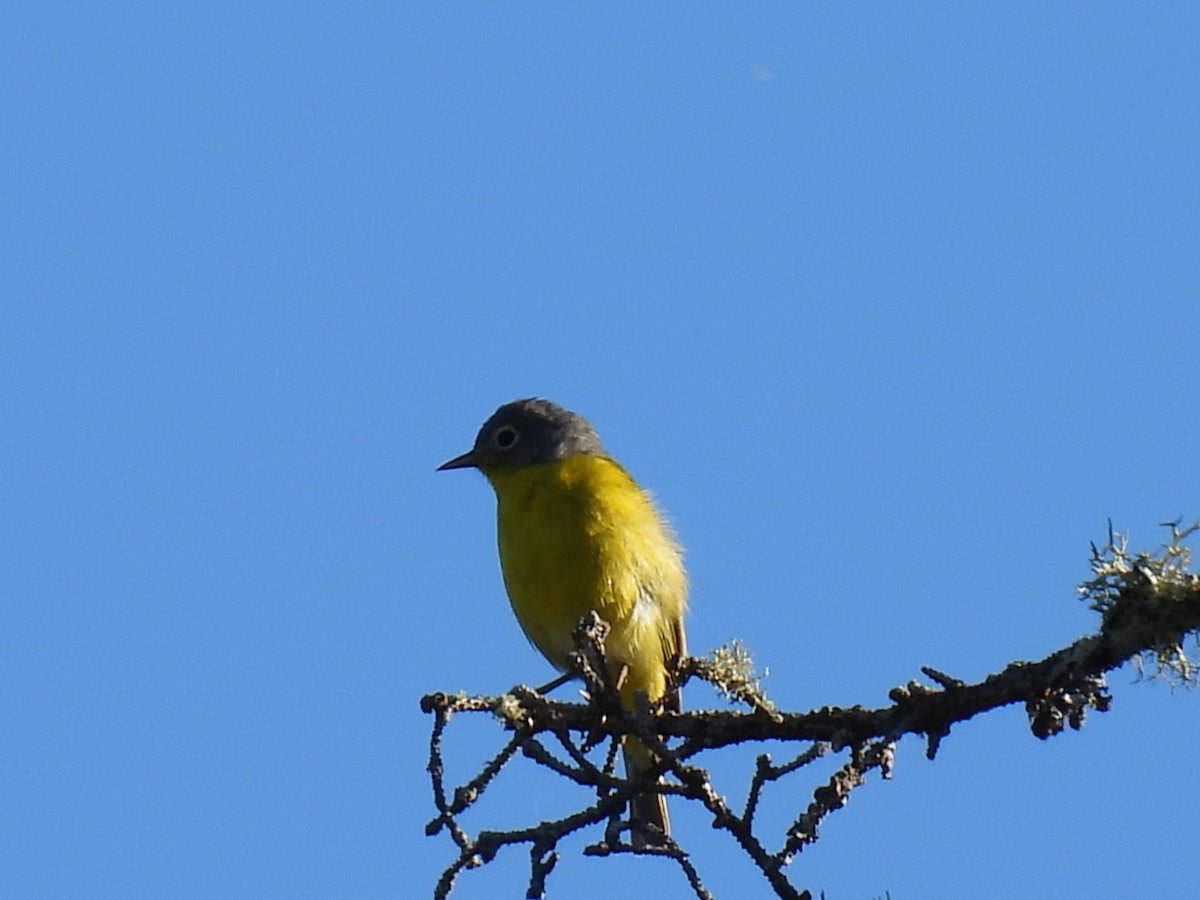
(576, 534)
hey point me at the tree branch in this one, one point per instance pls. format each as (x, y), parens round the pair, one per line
(1148, 604)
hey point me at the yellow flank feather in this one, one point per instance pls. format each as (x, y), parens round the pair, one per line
(578, 534)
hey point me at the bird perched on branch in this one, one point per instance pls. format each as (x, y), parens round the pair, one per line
(576, 533)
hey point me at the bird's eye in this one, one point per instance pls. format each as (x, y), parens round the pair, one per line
(505, 437)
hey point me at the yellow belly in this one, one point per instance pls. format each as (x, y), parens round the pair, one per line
(579, 534)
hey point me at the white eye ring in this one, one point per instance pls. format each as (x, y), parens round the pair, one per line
(505, 437)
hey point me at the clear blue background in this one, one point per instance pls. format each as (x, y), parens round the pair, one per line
(892, 306)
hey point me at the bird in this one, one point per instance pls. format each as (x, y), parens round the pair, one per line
(576, 533)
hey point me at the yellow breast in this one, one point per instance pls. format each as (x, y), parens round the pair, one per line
(579, 534)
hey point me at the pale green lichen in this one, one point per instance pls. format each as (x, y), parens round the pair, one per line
(1147, 595)
(731, 670)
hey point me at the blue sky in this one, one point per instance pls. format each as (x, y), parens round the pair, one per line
(892, 306)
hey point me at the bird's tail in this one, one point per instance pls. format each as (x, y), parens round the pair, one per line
(649, 810)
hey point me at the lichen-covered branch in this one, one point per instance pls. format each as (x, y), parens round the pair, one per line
(1149, 605)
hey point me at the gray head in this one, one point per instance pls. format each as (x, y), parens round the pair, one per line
(526, 432)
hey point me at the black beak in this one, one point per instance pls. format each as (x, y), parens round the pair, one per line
(466, 461)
